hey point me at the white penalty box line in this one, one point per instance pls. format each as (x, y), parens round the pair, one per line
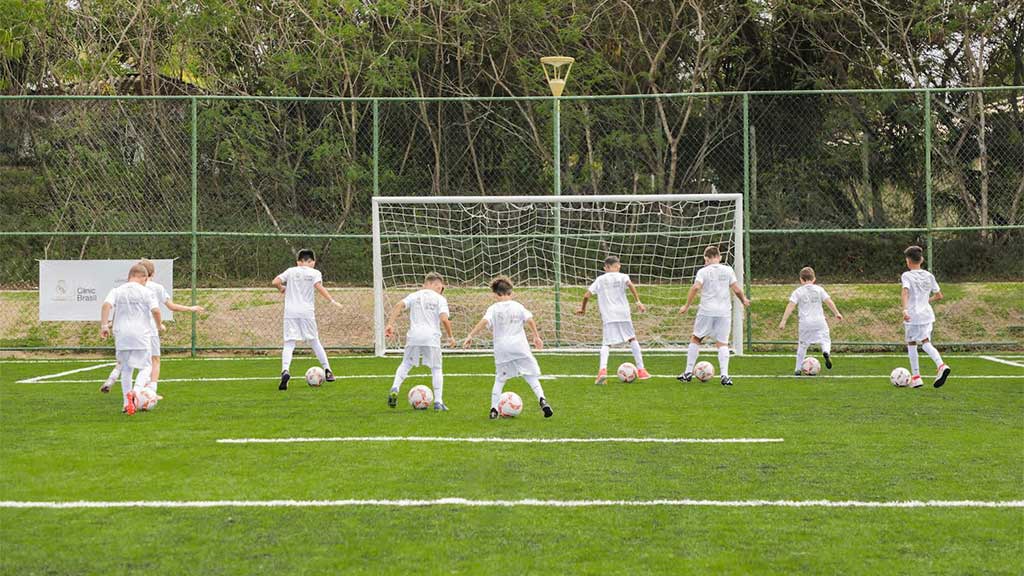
(494, 440)
(48, 377)
(531, 503)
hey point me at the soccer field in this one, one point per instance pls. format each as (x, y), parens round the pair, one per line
(839, 473)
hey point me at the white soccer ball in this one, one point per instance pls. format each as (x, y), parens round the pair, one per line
(510, 405)
(704, 371)
(421, 397)
(810, 367)
(146, 398)
(627, 372)
(900, 377)
(315, 376)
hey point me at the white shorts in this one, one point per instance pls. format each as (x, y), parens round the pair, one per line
(300, 329)
(517, 367)
(132, 359)
(618, 332)
(815, 334)
(917, 332)
(718, 327)
(154, 344)
(429, 356)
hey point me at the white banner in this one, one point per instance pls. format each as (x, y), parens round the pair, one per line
(75, 289)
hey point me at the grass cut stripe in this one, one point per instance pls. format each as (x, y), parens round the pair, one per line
(493, 440)
(515, 503)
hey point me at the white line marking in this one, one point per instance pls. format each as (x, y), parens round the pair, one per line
(493, 440)
(1001, 361)
(513, 503)
(75, 371)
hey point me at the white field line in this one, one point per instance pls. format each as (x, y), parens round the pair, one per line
(1002, 361)
(489, 375)
(465, 502)
(47, 377)
(492, 440)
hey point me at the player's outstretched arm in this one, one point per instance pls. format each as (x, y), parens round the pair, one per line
(636, 296)
(537, 342)
(472, 333)
(323, 292)
(935, 297)
(105, 319)
(835, 311)
(447, 325)
(583, 305)
(175, 307)
(396, 310)
(690, 296)
(785, 315)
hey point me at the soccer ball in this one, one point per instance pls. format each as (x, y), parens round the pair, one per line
(510, 405)
(627, 372)
(900, 377)
(146, 398)
(810, 367)
(315, 376)
(704, 371)
(421, 397)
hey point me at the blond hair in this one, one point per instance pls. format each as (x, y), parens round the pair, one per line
(807, 273)
(138, 271)
(712, 252)
(150, 268)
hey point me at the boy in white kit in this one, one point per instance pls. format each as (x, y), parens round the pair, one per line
(300, 283)
(162, 297)
(919, 290)
(428, 312)
(512, 356)
(716, 283)
(813, 328)
(136, 314)
(610, 289)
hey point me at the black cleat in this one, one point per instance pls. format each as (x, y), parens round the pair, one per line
(494, 414)
(392, 398)
(685, 377)
(828, 360)
(548, 412)
(328, 375)
(726, 381)
(285, 377)
(798, 373)
(941, 378)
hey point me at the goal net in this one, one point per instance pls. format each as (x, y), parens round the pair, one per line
(553, 247)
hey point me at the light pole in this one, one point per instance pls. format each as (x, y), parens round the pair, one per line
(556, 77)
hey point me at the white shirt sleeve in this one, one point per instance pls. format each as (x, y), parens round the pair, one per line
(699, 278)
(443, 306)
(164, 296)
(593, 287)
(935, 285)
(111, 297)
(732, 276)
(489, 316)
(319, 277)
(824, 295)
(905, 281)
(526, 313)
(407, 301)
(793, 298)
(625, 279)
(153, 303)
(283, 276)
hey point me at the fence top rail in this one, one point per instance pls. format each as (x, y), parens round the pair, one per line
(368, 99)
(554, 199)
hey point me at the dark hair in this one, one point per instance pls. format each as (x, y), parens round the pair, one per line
(305, 255)
(502, 286)
(712, 252)
(611, 261)
(807, 273)
(915, 254)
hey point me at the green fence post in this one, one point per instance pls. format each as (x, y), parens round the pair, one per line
(746, 211)
(195, 214)
(376, 147)
(928, 174)
(556, 152)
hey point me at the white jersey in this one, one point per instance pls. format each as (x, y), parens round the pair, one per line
(506, 320)
(425, 308)
(161, 295)
(921, 285)
(610, 289)
(716, 294)
(808, 299)
(300, 291)
(133, 315)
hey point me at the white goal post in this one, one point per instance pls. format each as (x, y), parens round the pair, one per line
(553, 247)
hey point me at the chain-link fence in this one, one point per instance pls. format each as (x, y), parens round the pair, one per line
(231, 187)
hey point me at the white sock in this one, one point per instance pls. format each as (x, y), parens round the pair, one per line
(143, 377)
(605, 351)
(932, 353)
(691, 356)
(826, 347)
(115, 373)
(915, 364)
(126, 384)
(637, 356)
(286, 355)
(534, 383)
(437, 380)
(321, 354)
(400, 375)
(499, 385)
(801, 351)
(723, 360)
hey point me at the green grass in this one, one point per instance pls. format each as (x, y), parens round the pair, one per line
(845, 439)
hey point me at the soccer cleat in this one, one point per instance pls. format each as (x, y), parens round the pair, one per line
(828, 360)
(943, 374)
(328, 375)
(494, 414)
(915, 381)
(107, 385)
(129, 406)
(440, 407)
(285, 377)
(393, 398)
(642, 374)
(798, 373)
(685, 376)
(602, 376)
(726, 381)
(548, 412)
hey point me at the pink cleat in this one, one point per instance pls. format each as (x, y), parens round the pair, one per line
(602, 376)
(643, 374)
(129, 406)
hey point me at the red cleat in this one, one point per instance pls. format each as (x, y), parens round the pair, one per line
(643, 374)
(129, 406)
(602, 376)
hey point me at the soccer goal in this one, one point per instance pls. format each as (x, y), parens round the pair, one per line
(553, 247)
